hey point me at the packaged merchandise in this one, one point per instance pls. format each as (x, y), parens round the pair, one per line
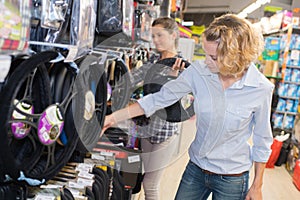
(289, 105)
(272, 43)
(295, 107)
(281, 105)
(288, 74)
(295, 76)
(277, 120)
(283, 89)
(292, 90)
(287, 18)
(288, 123)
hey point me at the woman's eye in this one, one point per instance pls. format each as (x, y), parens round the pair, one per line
(214, 58)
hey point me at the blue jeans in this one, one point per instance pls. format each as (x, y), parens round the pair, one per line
(197, 185)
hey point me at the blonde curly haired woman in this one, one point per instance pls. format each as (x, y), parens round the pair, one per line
(232, 103)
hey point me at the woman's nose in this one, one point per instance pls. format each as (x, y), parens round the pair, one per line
(206, 60)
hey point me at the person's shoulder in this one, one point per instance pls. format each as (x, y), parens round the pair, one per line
(263, 80)
(199, 67)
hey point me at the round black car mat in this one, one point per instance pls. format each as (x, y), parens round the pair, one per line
(89, 102)
(156, 77)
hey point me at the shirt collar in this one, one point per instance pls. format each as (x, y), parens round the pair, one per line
(249, 79)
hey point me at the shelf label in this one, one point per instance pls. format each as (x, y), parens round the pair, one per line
(295, 54)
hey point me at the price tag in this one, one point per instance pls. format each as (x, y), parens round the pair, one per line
(73, 50)
(97, 157)
(133, 159)
(295, 54)
(105, 153)
(44, 197)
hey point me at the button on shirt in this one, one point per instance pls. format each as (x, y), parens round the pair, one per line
(226, 119)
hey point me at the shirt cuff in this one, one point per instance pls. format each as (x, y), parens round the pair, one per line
(261, 155)
(146, 103)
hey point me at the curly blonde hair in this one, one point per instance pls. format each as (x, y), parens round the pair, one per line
(238, 43)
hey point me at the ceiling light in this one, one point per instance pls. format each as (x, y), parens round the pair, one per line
(249, 9)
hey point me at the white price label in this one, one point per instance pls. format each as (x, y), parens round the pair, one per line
(97, 157)
(75, 185)
(295, 54)
(85, 182)
(133, 159)
(86, 175)
(105, 153)
(44, 197)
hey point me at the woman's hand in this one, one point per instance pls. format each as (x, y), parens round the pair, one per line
(108, 122)
(126, 113)
(178, 65)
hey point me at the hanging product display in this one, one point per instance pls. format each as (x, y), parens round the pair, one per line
(82, 27)
(69, 24)
(43, 98)
(156, 77)
(143, 18)
(53, 13)
(109, 17)
(27, 77)
(128, 11)
(89, 101)
(14, 26)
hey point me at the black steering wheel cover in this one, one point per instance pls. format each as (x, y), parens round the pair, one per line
(155, 79)
(61, 77)
(120, 85)
(17, 78)
(91, 78)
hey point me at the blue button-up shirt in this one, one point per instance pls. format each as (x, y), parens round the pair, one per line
(226, 119)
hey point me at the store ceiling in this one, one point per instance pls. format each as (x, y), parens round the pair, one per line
(219, 6)
(202, 12)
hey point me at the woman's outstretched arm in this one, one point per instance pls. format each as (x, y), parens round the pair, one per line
(129, 112)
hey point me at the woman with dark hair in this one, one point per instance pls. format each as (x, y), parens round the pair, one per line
(232, 104)
(158, 136)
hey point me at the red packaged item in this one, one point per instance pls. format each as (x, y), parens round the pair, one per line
(276, 147)
(296, 175)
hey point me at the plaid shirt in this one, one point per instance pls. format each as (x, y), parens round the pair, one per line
(157, 130)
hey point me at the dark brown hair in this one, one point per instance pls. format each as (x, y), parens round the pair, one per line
(169, 24)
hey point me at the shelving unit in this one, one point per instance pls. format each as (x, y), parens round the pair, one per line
(288, 90)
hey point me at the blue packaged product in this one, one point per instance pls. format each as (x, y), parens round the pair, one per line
(292, 90)
(283, 41)
(282, 89)
(295, 77)
(289, 122)
(293, 41)
(272, 43)
(295, 107)
(277, 120)
(288, 74)
(297, 45)
(281, 105)
(289, 105)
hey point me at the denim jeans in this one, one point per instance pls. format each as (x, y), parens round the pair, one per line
(197, 185)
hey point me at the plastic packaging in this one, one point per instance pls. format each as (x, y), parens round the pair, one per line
(276, 147)
(14, 26)
(296, 175)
